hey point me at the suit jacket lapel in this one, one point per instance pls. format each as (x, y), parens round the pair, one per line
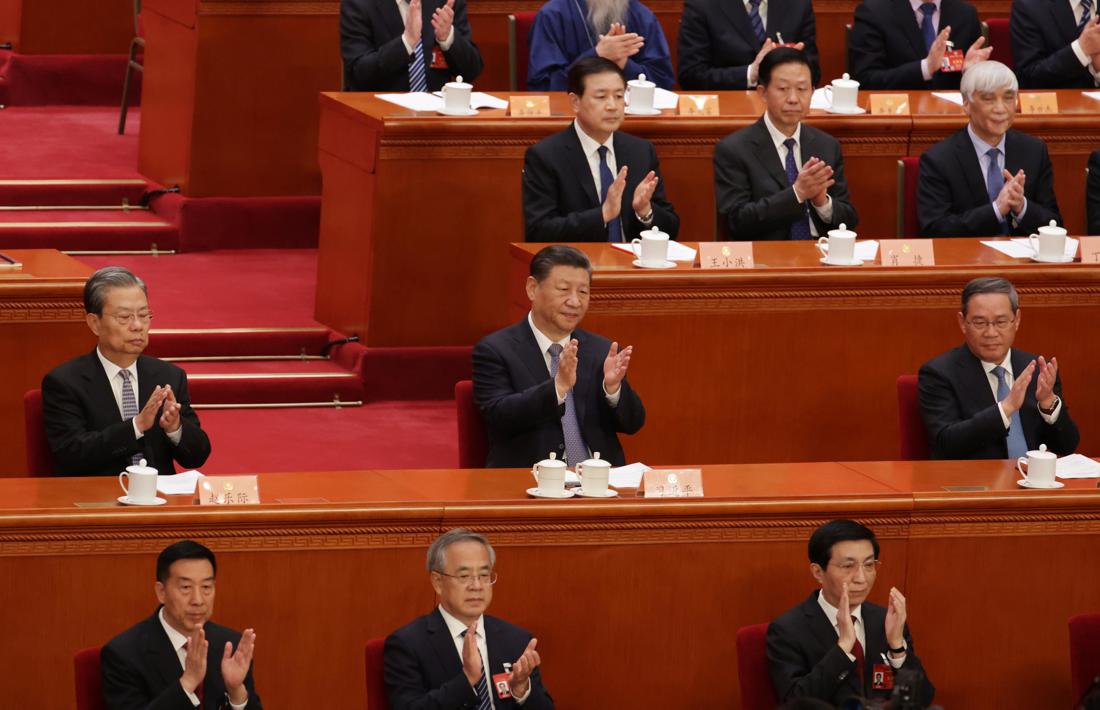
(391, 18)
(584, 364)
(1062, 16)
(765, 153)
(970, 167)
(579, 165)
(159, 651)
(735, 11)
(494, 645)
(975, 379)
(824, 633)
(907, 21)
(1013, 153)
(444, 646)
(528, 350)
(99, 388)
(874, 633)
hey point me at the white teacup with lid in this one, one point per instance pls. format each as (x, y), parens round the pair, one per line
(839, 247)
(594, 474)
(140, 486)
(1042, 465)
(843, 94)
(1050, 243)
(652, 248)
(640, 94)
(456, 96)
(550, 476)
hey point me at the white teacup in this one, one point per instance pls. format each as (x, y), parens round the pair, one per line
(640, 94)
(1041, 467)
(141, 483)
(652, 248)
(1050, 242)
(843, 94)
(550, 476)
(594, 474)
(840, 246)
(456, 95)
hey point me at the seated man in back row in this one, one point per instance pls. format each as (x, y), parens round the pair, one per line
(984, 400)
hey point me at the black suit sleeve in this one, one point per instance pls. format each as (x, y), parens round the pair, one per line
(1092, 193)
(124, 689)
(542, 200)
(370, 60)
(950, 435)
(790, 676)
(934, 199)
(506, 411)
(1036, 66)
(867, 54)
(697, 67)
(628, 416)
(194, 446)
(74, 447)
(405, 683)
(1042, 205)
(463, 58)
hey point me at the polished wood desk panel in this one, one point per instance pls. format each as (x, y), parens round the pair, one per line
(795, 361)
(67, 26)
(335, 558)
(41, 326)
(383, 164)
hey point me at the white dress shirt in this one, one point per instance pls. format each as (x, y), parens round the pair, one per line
(825, 212)
(1086, 60)
(457, 628)
(982, 148)
(115, 379)
(544, 344)
(861, 636)
(178, 642)
(925, 70)
(403, 8)
(1010, 377)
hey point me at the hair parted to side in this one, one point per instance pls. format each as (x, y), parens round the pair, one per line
(778, 57)
(558, 255)
(990, 284)
(437, 551)
(585, 67)
(985, 77)
(183, 550)
(821, 544)
(97, 285)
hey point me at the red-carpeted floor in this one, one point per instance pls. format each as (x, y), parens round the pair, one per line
(73, 142)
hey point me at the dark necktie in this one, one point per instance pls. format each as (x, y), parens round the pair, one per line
(928, 29)
(575, 448)
(757, 23)
(129, 406)
(857, 651)
(994, 181)
(800, 228)
(1017, 444)
(1086, 14)
(614, 227)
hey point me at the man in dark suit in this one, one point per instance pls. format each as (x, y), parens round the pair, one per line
(591, 183)
(984, 400)
(544, 385)
(406, 46)
(114, 406)
(177, 659)
(986, 179)
(836, 646)
(899, 44)
(761, 191)
(457, 657)
(1055, 43)
(722, 43)
(1092, 193)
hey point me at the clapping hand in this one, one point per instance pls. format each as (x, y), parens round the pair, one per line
(1044, 388)
(525, 665)
(235, 665)
(614, 367)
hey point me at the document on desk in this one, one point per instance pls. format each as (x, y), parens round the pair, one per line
(479, 99)
(954, 97)
(1020, 247)
(819, 100)
(663, 98)
(867, 250)
(1077, 466)
(629, 476)
(1091, 94)
(181, 484)
(414, 100)
(676, 250)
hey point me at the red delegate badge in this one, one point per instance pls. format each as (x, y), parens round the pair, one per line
(500, 682)
(882, 677)
(438, 60)
(953, 61)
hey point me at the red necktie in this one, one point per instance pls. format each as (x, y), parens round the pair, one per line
(857, 651)
(198, 690)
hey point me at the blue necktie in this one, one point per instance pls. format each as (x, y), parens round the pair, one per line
(575, 448)
(129, 406)
(800, 228)
(927, 29)
(1086, 14)
(1017, 444)
(418, 75)
(994, 181)
(614, 227)
(757, 23)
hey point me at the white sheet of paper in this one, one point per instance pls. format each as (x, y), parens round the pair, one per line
(414, 100)
(181, 484)
(1011, 248)
(1092, 94)
(628, 476)
(866, 250)
(1071, 246)
(954, 97)
(676, 250)
(818, 100)
(1077, 466)
(479, 99)
(663, 98)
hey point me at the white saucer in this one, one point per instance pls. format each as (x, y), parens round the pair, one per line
(830, 262)
(661, 265)
(1053, 260)
(449, 112)
(639, 112)
(847, 111)
(609, 493)
(1023, 482)
(535, 492)
(126, 500)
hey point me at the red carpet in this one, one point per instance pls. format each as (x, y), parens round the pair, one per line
(71, 79)
(67, 142)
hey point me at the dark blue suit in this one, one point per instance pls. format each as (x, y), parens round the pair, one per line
(1042, 31)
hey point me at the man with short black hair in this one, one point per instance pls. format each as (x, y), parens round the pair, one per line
(779, 178)
(112, 407)
(177, 659)
(836, 645)
(457, 656)
(984, 400)
(544, 385)
(591, 182)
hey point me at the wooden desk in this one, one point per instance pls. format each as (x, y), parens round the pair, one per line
(678, 575)
(67, 26)
(795, 361)
(41, 326)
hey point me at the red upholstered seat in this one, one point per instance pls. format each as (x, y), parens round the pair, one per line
(1001, 41)
(519, 33)
(89, 689)
(376, 686)
(1084, 651)
(757, 692)
(39, 458)
(473, 442)
(908, 175)
(912, 437)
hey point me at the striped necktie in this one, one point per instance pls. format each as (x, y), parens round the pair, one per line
(484, 700)
(418, 74)
(800, 228)
(575, 448)
(129, 406)
(757, 23)
(1086, 14)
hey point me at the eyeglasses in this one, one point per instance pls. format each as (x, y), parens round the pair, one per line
(980, 324)
(127, 318)
(870, 567)
(466, 579)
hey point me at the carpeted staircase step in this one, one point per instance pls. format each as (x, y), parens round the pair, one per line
(243, 382)
(65, 79)
(222, 342)
(71, 191)
(87, 230)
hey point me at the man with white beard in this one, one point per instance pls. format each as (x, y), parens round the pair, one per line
(623, 31)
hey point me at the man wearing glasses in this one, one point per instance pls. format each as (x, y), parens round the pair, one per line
(984, 400)
(456, 656)
(816, 651)
(113, 407)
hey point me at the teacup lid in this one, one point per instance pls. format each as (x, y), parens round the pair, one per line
(655, 232)
(841, 231)
(595, 461)
(552, 462)
(846, 80)
(1042, 453)
(459, 84)
(641, 82)
(141, 467)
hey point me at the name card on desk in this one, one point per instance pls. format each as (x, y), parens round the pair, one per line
(1044, 102)
(698, 105)
(228, 490)
(528, 106)
(673, 483)
(890, 104)
(725, 255)
(1090, 250)
(907, 252)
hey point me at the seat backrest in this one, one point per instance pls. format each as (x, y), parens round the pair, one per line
(89, 685)
(519, 37)
(1084, 651)
(912, 438)
(376, 685)
(473, 442)
(39, 458)
(757, 692)
(908, 176)
(1001, 41)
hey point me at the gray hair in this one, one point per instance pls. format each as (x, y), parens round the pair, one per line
(95, 290)
(990, 285)
(985, 77)
(438, 550)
